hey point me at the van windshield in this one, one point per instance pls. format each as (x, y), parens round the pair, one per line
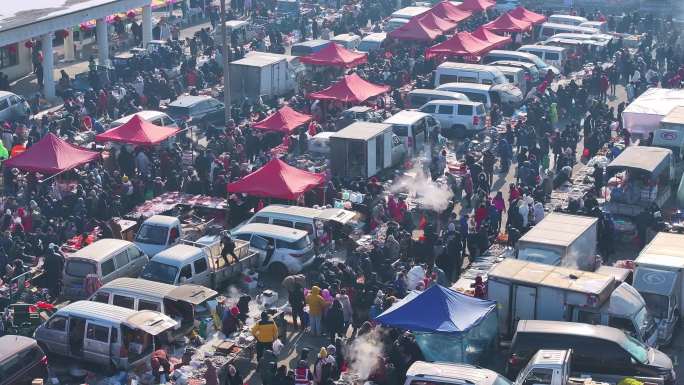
(79, 268)
(151, 235)
(657, 304)
(636, 349)
(400, 129)
(159, 272)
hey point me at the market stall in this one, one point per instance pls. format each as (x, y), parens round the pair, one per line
(458, 328)
(335, 55)
(643, 115)
(417, 29)
(475, 6)
(448, 11)
(509, 24)
(351, 89)
(522, 13)
(497, 40)
(138, 132)
(462, 44)
(285, 120)
(51, 155)
(277, 180)
(361, 149)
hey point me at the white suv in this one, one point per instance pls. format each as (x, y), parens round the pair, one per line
(458, 118)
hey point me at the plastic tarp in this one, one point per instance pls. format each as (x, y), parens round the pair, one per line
(524, 14)
(137, 131)
(476, 5)
(284, 120)
(335, 55)
(449, 311)
(461, 44)
(508, 23)
(486, 35)
(655, 281)
(351, 89)
(51, 155)
(417, 29)
(277, 179)
(649, 159)
(643, 115)
(447, 11)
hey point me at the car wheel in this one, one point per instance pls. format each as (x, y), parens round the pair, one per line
(459, 131)
(277, 271)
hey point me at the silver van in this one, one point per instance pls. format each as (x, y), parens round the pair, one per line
(13, 107)
(550, 54)
(457, 118)
(107, 335)
(349, 41)
(516, 76)
(531, 71)
(450, 72)
(177, 302)
(448, 373)
(413, 128)
(373, 42)
(567, 19)
(550, 29)
(500, 93)
(416, 98)
(107, 259)
(500, 54)
(301, 218)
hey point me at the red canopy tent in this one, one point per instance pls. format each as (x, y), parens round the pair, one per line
(51, 155)
(277, 179)
(508, 23)
(527, 15)
(284, 120)
(432, 21)
(416, 29)
(486, 35)
(137, 131)
(476, 5)
(352, 88)
(334, 55)
(448, 11)
(461, 44)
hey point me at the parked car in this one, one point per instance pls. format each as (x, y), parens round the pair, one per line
(448, 373)
(457, 118)
(157, 118)
(197, 109)
(13, 107)
(21, 360)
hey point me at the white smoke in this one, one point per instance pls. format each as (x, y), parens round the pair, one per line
(421, 188)
(363, 353)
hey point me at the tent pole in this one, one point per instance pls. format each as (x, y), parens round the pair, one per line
(53, 175)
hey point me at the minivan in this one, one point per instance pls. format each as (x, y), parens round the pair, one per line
(596, 348)
(414, 129)
(21, 360)
(107, 259)
(13, 107)
(308, 47)
(177, 302)
(457, 118)
(531, 71)
(567, 19)
(602, 26)
(551, 55)
(499, 54)
(500, 93)
(301, 218)
(516, 76)
(107, 335)
(157, 118)
(550, 29)
(419, 96)
(373, 42)
(347, 40)
(293, 248)
(448, 373)
(450, 72)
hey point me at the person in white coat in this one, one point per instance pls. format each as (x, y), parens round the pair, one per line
(524, 211)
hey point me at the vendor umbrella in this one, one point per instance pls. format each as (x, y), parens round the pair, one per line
(486, 35)
(508, 23)
(277, 179)
(137, 131)
(351, 89)
(461, 44)
(51, 155)
(335, 55)
(285, 120)
(524, 14)
(447, 11)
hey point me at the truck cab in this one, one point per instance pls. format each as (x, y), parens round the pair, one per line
(157, 233)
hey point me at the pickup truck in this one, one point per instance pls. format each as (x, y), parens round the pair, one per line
(159, 232)
(199, 263)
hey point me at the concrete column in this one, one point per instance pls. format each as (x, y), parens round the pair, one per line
(102, 41)
(147, 25)
(69, 50)
(48, 66)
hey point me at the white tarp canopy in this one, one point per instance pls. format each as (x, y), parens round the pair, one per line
(643, 115)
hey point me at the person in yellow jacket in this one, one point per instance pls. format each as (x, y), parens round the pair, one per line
(317, 305)
(265, 332)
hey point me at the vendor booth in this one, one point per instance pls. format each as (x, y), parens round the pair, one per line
(508, 23)
(497, 41)
(449, 326)
(462, 44)
(643, 115)
(361, 149)
(279, 180)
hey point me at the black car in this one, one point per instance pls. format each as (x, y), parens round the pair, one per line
(596, 349)
(21, 360)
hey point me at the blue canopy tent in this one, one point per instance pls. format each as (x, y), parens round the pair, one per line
(448, 325)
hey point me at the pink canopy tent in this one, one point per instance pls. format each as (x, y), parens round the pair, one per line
(51, 155)
(486, 35)
(352, 89)
(285, 120)
(527, 15)
(417, 30)
(461, 44)
(334, 55)
(448, 11)
(277, 179)
(137, 131)
(508, 23)
(476, 5)
(430, 20)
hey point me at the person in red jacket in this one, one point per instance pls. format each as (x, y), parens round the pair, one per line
(604, 84)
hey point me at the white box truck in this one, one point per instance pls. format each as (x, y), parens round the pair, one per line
(260, 75)
(533, 291)
(658, 276)
(561, 240)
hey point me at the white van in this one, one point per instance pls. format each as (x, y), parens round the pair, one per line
(459, 119)
(516, 76)
(567, 19)
(373, 42)
(531, 71)
(301, 218)
(347, 40)
(550, 29)
(413, 128)
(13, 107)
(293, 249)
(107, 335)
(408, 13)
(485, 94)
(550, 54)
(449, 373)
(395, 23)
(107, 259)
(157, 118)
(450, 72)
(499, 54)
(600, 25)
(600, 37)
(419, 96)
